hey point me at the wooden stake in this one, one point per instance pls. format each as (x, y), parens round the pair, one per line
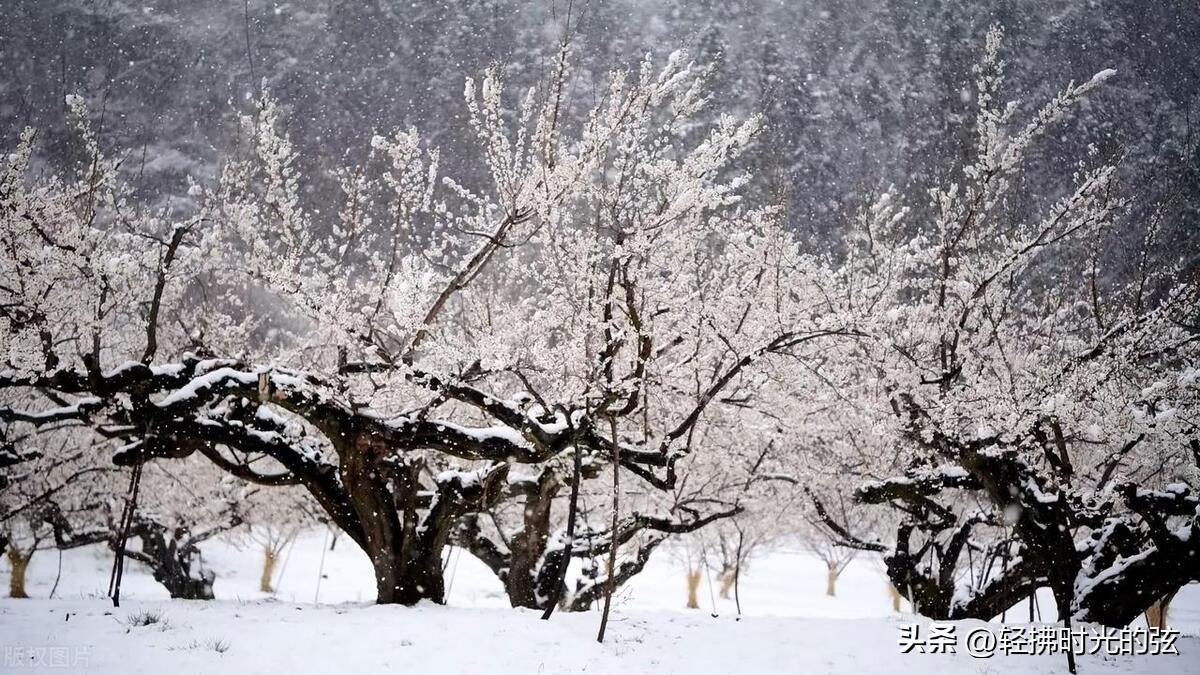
(612, 548)
(114, 582)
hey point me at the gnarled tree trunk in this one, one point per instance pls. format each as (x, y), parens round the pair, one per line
(175, 562)
(405, 572)
(405, 548)
(529, 580)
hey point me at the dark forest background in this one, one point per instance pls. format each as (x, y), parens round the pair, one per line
(857, 94)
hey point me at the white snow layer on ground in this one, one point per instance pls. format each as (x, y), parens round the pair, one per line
(788, 625)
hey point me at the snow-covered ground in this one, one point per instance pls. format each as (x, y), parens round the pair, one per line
(787, 623)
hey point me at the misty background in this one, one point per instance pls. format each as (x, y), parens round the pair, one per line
(857, 94)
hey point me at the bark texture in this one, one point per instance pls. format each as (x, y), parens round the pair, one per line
(18, 563)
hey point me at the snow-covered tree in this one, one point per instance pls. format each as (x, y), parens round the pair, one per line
(53, 480)
(610, 276)
(178, 507)
(1029, 398)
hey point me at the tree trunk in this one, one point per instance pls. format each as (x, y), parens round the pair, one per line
(185, 586)
(831, 577)
(1156, 614)
(407, 582)
(519, 587)
(895, 596)
(381, 505)
(16, 581)
(728, 577)
(532, 571)
(182, 573)
(693, 585)
(268, 570)
(532, 584)
(405, 573)
(174, 559)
